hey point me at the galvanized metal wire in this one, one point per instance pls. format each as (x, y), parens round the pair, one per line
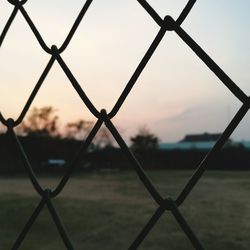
(167, 24)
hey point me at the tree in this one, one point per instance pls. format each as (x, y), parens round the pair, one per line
(144, 140)
(81, 128)
(40, 122)
(78, 130)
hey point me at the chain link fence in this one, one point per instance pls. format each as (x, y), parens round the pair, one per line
(168, 24)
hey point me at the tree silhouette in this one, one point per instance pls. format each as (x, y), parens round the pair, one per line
(144, 140)
(40, 122)
(78, 130)
(81, 128)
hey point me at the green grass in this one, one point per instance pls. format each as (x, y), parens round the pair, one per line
(107, 210)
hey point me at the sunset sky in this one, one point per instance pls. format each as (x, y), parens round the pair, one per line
(175, 95)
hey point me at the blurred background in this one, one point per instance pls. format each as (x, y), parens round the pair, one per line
(173, 116)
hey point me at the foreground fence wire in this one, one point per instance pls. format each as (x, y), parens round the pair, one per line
(167, 24)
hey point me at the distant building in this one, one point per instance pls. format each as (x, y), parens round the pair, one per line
(205, 137)
(202, 142)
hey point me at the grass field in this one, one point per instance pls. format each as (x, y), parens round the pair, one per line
(107, 210)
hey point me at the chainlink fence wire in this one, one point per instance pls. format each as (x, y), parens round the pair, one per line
(166, 24)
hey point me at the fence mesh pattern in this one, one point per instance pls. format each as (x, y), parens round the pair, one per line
(167, 24)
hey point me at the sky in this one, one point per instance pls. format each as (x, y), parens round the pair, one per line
(175, 95)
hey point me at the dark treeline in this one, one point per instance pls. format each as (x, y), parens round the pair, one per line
(228, 159)
(40, 150)
(49, 150)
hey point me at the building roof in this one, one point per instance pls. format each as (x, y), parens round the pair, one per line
(205, 137)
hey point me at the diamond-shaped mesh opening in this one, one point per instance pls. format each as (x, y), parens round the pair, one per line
(107, 56)
(172, 236)
(179, 101)
(35, 236)
(59, 17)
(163, 205)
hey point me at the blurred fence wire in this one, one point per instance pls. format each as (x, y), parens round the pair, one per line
(166, 24)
